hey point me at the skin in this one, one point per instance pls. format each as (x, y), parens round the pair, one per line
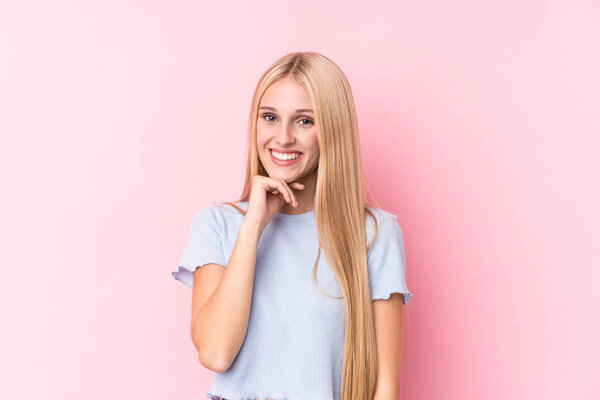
(280, 126)
(388, 336)
(220, 319)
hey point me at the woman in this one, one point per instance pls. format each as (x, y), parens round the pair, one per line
(301, 286)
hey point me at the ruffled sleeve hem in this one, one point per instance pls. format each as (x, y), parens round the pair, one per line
(185, 273)
(384, 295)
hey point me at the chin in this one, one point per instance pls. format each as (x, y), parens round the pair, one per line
(283, 175)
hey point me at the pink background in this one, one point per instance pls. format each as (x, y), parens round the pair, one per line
(480, 129)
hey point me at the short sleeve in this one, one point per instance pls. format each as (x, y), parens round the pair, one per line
(385, 261)
(203, 246)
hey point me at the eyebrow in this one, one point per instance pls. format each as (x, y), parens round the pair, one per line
(298, 111)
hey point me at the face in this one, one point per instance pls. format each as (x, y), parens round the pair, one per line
(286, 135)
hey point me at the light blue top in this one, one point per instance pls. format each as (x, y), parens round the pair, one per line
(293, 348)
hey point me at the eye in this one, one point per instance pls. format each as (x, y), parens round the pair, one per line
(265, 116)
(306, 119)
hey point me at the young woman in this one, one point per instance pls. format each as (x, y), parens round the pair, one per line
(302, 283)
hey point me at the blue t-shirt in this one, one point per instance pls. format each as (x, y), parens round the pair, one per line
(293, 348)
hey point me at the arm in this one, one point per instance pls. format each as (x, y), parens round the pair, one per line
(388, 335)
(221, 301)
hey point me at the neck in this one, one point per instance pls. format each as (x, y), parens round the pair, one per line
(306, 196)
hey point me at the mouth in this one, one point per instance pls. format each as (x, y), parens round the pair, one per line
(285, 158)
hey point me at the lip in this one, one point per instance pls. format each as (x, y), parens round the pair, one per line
(284, 163)
(285, 151)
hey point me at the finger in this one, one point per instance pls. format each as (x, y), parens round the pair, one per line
(297, 185)
(285, 189)
(280, 197)
(291, 193)
(275, 185)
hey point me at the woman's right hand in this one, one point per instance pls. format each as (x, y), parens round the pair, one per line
(267, 196)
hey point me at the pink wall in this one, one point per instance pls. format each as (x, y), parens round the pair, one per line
(480, 128)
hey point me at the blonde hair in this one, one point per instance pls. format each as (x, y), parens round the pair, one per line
(339, 204)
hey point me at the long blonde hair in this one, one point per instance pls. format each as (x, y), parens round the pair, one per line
(339, 204)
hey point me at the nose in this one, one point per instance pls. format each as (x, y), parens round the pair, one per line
(285, 136)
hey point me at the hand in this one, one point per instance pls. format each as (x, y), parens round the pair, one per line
(267, 196)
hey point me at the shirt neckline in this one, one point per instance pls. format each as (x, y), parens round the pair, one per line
(295, 217)
(283, 216)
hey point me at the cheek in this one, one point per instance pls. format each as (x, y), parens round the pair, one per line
(314, 144)
(260, 137)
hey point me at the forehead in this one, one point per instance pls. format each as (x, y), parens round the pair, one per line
(286, 95)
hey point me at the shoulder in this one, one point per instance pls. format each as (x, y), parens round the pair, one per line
(382, 217)
(384, 229)
(207, 216)
(230, 210)
(381, 213)
(220, 214)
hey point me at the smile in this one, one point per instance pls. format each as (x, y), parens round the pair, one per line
(284, 159)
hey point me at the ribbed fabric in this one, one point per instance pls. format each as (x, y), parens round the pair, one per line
(293, 348)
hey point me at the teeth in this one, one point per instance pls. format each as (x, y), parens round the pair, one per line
(285, 156)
